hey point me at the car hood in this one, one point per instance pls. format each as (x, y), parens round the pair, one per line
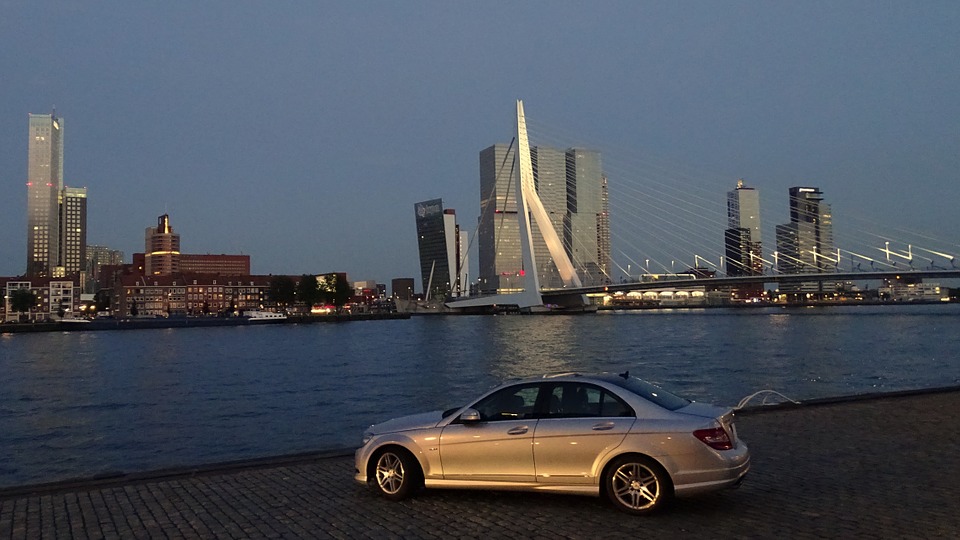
(406, 423)
(704, 410)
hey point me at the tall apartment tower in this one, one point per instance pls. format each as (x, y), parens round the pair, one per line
(73, 230)
(44, 182)
(742, 236)
(162, 249)
(805, 245)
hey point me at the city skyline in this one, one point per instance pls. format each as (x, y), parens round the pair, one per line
(281, 127)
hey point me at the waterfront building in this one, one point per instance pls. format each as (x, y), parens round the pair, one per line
(44, 182)
(73, 231)
(162, 249)
(55, 298)
(910, 289)
(573, 191)
(805, 245)
(402, 288)
(11, 286)
(56, 215)
(367, 293)
(136, 295)
(366, 287)
(163, 256)
(438, 240)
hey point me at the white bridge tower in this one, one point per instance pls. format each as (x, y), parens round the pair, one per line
(529, 205)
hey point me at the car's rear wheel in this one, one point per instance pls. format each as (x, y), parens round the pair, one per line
(637, 485)
(396, 474)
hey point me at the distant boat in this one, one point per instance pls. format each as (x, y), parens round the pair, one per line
(259, 316)
(74, 321)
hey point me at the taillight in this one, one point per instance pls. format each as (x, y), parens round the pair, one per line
(716, 438)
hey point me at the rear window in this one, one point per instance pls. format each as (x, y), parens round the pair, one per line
(651, 392)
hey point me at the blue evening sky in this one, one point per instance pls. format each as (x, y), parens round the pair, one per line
(302, 132)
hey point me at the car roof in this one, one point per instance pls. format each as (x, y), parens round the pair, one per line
(571, 376)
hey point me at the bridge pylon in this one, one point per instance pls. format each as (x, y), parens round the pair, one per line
(529, 206)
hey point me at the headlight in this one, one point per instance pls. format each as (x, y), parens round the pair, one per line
(367, 435)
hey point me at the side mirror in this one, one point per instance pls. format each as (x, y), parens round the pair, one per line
(470, 416)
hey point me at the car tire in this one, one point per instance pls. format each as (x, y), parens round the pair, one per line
(396, 474)
(637, 485)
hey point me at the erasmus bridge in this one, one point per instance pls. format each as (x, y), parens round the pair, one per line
(667, 231)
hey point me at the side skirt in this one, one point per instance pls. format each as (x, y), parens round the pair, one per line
(582, 489)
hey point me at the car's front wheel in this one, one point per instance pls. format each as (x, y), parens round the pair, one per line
(396, 474)
(637, 485)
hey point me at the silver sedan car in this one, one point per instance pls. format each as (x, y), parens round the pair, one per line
(603, 434)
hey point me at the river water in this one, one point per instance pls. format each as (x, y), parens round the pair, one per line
(75, 404)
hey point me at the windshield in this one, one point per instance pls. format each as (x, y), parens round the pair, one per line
(651, 392)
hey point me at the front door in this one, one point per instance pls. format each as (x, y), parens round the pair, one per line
(498, 448)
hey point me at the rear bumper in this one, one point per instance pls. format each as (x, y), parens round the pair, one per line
(733, 466)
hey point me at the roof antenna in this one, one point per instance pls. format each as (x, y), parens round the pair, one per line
(625, 375)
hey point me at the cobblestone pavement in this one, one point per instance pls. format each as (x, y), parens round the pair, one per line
(886, 467)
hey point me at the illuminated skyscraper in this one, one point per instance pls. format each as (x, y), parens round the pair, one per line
(587, 236)
(805, 245)
(73, 230)
(44, 182)
(162, 249)
(742, 236)
(498, 242)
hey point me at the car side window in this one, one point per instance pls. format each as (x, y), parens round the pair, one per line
(611, 405)
(511, 403)
(573, 400)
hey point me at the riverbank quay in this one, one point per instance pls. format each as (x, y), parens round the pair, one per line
(187, 322)
(652, 306)
(877, 466)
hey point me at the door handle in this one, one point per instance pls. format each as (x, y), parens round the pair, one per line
(603, 427)
(519, 430)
